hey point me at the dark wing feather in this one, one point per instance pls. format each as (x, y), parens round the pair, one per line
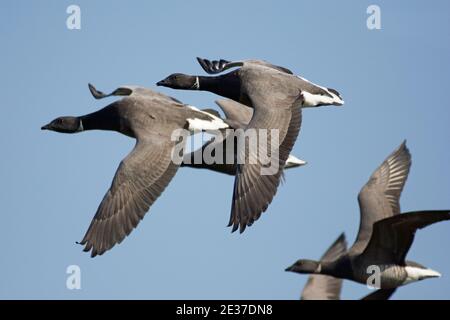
(379, 198)
(321, 287)
(97, 94)
(218, 66)
(381, 294)
(392, 237)
(140, 179)
(253, 191)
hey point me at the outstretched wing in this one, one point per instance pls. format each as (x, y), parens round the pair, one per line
(379, 198)
(140, 179)
(130, 91)
(380, 294)
(218, 66)
(321, 287)
(254, 189)
(97, 94)
(392, 237)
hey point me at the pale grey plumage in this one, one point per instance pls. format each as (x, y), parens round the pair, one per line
(150, 118)
(380, 196)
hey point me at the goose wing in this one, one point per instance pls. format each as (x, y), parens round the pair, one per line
(130, 91)
(380, 294)
(392, 237)
(218, 66)
(379, 198)
(256, 184)
(321, 287)
(140, 179)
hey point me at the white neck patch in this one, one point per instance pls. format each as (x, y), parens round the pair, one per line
(196, 84)
(319, 268)
(80, 128)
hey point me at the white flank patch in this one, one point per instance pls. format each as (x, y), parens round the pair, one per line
(416, 274)
(80, 127)
(293, 162)
(196, 124)
(312, 100)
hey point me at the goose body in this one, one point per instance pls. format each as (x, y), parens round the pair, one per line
(323, 287)
(237, 116)
(276, 96)
(150, 118)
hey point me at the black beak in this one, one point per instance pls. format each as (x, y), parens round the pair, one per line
(161, 83)
(46, 127)
(291, 268)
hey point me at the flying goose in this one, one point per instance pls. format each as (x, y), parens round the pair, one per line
(237, 116)
(276, 96)
(150, 118)
(322, 287)
(385, 236)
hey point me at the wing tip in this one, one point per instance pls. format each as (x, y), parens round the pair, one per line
(96, 93)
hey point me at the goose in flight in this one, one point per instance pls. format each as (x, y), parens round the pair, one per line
(276, 96)
(237, 116)
(322, 287)
(150, 118)
(378, 256)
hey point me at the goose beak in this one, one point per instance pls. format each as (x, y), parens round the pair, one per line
(291, 268)
(46, 127)
(161, 83)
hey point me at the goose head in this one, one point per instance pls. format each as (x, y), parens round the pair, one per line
(180, 81)
(64, 125)
(305, 266)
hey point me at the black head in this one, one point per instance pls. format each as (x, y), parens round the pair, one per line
(65, 125)
(179, 81)
(305, 266)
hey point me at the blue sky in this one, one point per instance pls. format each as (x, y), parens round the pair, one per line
(395, 84)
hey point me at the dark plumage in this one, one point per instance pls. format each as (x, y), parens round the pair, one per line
(276, 97)
(150, 118)
(323, 287)
(384, 235)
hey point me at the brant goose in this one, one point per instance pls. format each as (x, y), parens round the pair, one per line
(385, 236)
(237, 116)
(150, 118)
(277, 96)
(322, 287)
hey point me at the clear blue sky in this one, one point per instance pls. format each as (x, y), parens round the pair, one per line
(395, 82)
